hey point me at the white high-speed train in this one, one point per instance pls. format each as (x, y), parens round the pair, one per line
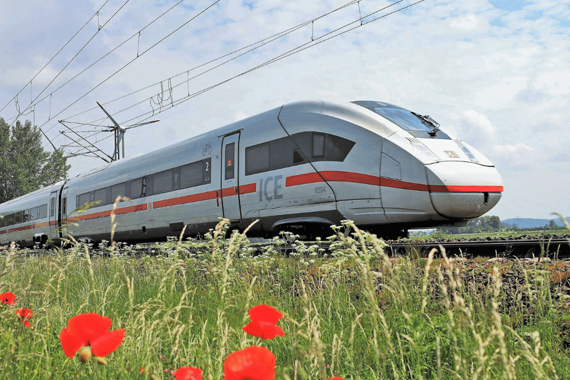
(300, 167)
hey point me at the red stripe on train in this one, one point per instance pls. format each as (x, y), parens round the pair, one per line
(103, 214)
(335, 176)
(465, 189)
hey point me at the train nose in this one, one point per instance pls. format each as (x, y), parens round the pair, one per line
(461, 190)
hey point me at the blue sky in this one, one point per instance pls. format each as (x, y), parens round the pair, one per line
(494, 73)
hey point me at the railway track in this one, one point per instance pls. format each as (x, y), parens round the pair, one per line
(526, 247)
(555, 246)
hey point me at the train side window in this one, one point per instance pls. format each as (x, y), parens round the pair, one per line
(83, 198)
(191, 174)
(52, 207)
(257, 159)
(206, 165)
(162, 182)
(101, 196)
(26, 215)
(318, 145)
(34, 213)
(19, 217)
(175, 179)
(230, 158)
(118, 190)
(64, 206)
(43, 212)
(144, 187)
(297, 158)
(136, 188)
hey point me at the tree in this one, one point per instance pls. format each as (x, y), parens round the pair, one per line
(552, 224)
(24, 165)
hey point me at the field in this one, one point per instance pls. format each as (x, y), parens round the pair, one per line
(353, 313)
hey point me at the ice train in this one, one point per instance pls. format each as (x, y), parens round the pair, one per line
(300, 167)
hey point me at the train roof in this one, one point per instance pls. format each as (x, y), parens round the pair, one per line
(31, 195)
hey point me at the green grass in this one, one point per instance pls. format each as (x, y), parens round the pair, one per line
(355, 314)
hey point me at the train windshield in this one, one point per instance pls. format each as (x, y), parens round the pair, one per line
(417, 125)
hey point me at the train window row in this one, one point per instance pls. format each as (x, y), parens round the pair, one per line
(190, 175)
(34, 213)
(289, 151)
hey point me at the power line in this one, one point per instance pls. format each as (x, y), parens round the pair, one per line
(314, 41)
(99, 27)
(302, 47)
(107, 54)
(131, 61)
(284, 55)
(260, 44)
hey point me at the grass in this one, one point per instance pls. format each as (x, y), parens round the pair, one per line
(354, 313)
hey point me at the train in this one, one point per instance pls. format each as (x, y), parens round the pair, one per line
(300, 167)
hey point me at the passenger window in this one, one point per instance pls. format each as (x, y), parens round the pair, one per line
(26, 216)
(33, 213)
(162, 182)
(257, 159)
(136, 188)
(83, 198)
(101, 196)
(297, 158)
(64, 206)
(230, 165)
(43, 212)
(318, 145)
(52, 207)
(118, 190)
(191, 174)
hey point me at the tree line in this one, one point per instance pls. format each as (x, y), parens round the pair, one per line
(24, 165)
(491, 223)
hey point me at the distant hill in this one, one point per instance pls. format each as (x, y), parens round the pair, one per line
(531, 222)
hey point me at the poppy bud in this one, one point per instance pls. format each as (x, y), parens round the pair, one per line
(100, 360)
(85, 354)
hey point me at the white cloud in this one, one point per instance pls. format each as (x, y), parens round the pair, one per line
(516, 156)
(470, 23)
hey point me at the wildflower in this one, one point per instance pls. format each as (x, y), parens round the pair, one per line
(336, 378)
(251, 363)
(90, 329)
(8, 298)
(24, 314)
(264, 322)
(187, 373)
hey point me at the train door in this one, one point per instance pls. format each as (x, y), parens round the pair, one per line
(63, 212)
(53, 214)
(230, 177)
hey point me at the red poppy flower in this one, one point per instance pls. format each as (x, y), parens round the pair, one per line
(24, 314)
(8, 298)
(188, 373)
(263, 322)
(90, 329)
(252, 363)
(336, 378)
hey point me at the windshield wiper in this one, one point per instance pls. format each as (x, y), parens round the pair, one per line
(426, 119)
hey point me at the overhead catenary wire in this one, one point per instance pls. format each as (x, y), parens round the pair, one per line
(260, 44)
(284, 55)
(134, 59)
(314, 41)
(302, 47)
(56, 54)
(113, 50)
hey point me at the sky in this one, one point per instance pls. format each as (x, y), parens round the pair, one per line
(494, 73)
